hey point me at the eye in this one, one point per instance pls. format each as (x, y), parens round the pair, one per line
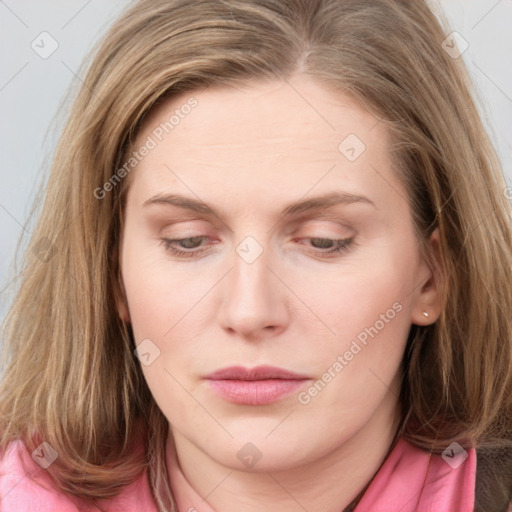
(333, 246)
(190, 244)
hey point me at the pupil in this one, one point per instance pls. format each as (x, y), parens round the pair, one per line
(190, 243)
(322, 243)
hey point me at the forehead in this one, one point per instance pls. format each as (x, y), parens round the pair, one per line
(283, 137)
(297, 107)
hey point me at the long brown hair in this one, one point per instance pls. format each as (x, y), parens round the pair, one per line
(70, 376)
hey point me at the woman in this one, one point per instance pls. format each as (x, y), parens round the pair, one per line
(276, 273)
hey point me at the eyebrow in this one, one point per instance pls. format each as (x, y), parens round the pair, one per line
(296, 208)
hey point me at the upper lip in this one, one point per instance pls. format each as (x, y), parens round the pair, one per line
(256, 373)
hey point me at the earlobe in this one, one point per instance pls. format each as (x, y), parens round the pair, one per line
(428, 298)
(120, 293)
(123, 311)
(122, 303)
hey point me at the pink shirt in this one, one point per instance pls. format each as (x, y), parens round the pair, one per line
(409, 481)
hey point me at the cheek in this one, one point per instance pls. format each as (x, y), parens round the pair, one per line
(158, 303)
(367, 305)
(158, 295)
(354, 296)
(170, 307)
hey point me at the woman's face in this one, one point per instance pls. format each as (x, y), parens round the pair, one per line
(297, 251)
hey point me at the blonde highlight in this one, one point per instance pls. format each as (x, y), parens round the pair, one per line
(71, 378)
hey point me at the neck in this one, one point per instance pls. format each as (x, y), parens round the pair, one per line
(332, 482)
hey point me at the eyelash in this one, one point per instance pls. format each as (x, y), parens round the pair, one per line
(343, 245)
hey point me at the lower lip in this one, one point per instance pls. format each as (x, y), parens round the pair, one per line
(255, 392)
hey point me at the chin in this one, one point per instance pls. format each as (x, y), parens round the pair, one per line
(257, 454)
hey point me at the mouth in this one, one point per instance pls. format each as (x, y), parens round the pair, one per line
(255, 386)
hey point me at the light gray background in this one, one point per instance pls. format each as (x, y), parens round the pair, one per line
(32, 90)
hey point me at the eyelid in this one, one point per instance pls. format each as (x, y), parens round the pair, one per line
(185, 228)
(341, 246)
(321, 231)
(297, 229)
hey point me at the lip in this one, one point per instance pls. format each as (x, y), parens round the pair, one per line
(256, 373)
(254, 386)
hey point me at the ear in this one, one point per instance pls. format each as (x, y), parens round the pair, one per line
(122, 305)
(428, 295)
(120, 293)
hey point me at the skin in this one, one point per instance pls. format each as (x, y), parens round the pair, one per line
(249, 152)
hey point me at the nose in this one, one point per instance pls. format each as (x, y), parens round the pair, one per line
(255, 300)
